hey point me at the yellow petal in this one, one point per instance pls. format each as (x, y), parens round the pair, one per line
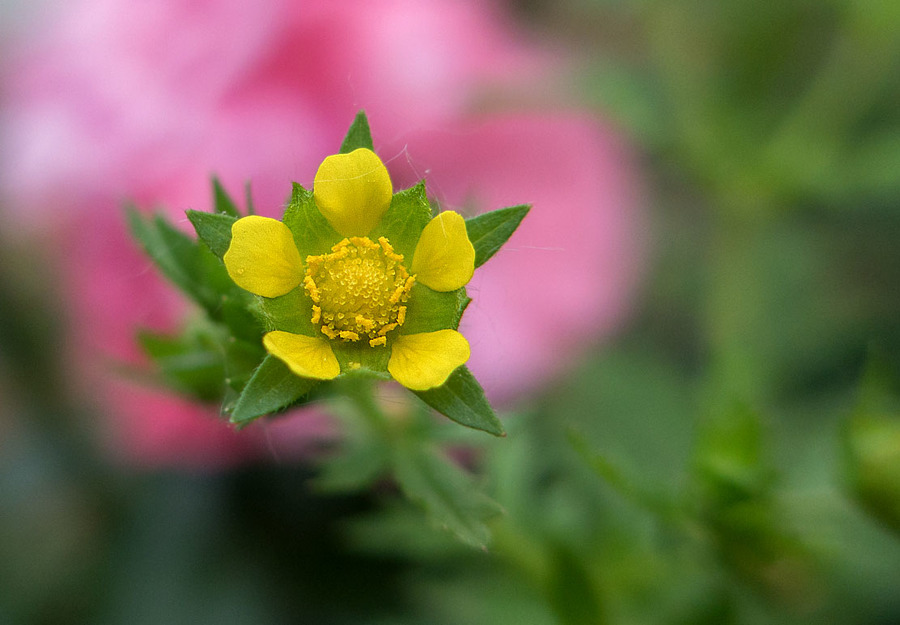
(307, 356)
(422, 361)
(353, 191)
(444, 259)
(262, 257)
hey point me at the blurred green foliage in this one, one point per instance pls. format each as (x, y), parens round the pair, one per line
(727, 459)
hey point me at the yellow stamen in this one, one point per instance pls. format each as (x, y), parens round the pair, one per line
(366, 323)
(359, 290)
(310, 287)
(385, 329)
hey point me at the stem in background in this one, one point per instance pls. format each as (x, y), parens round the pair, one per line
(735, 310)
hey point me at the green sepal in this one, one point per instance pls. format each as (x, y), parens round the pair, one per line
(214, 229)
(223, 202)
(272, 387)
(313, 235)
(360, 357)
(428, 310)
(192, 268)
(489, 231)
(450, 496)
(462, 399)
(291, 312)
(404, 220)
(359, 135)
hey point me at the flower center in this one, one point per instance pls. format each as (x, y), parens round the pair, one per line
(358, 290)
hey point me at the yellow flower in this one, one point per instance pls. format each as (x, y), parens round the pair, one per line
(356, 301)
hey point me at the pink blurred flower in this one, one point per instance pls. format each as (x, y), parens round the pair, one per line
(144, 101)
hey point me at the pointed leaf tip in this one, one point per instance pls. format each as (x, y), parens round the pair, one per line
(272, 387)
(489, 231)
(213, 229)
(358, 136)
(462, 399)
(222, 201)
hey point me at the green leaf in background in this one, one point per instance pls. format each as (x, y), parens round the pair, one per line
(223, 202)
(313, 234)
(489, 231)
(448, 494)
(572, 589)
(272, 387)
(619, 479)
(404, 220)
(214, 229)
(730, 460)
(359, 135)
(871, 440)
(362, 458)
(192, 362)
(429, 310)
(872, 443)
(462, 399)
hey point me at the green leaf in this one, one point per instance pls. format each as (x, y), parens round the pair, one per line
(448, 494)
(272, 387)
(222, 201)
(313, 235)
(404, 220)
(429, 310)
(489, 231)
(213, 229)
(462, 399)
(190, 267)
(359, 135)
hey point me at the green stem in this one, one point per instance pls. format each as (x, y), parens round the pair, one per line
(360, 390)
(734, 311)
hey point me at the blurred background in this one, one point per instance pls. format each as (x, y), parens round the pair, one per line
(693, 339)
